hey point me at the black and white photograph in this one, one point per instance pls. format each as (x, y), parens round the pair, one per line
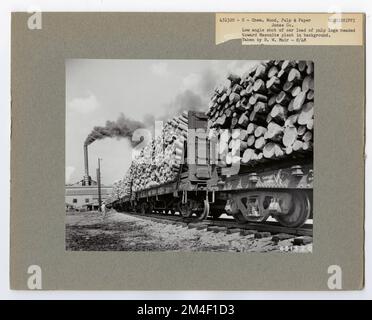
(178, 154)
(189, 155)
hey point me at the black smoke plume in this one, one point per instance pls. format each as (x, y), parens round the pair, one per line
(121, 128)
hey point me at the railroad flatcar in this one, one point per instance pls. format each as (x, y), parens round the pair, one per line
(280, 188)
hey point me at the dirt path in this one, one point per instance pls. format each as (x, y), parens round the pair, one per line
(122, 232)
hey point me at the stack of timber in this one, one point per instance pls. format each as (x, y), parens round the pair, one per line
(159, 162)
(120, 188)
(267, 113)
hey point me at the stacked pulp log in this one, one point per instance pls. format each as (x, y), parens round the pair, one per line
(267, 113)
(120, 188)
(159, 162)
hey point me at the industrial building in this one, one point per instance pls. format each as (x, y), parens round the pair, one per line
(85, 194)
(85, 197)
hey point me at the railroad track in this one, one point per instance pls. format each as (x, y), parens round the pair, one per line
(258, 230)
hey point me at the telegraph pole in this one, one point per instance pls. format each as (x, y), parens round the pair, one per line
(99, 184)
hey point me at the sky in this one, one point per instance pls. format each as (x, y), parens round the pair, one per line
(98, 90)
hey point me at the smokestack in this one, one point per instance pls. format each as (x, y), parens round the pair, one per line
(87, 178)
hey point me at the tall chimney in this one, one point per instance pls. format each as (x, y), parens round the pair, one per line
(87, 178)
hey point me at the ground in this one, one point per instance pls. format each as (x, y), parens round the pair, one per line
(89, 231)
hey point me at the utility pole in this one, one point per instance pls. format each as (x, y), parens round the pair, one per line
(99, 184)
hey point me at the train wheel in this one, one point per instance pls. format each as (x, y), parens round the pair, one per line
(238, 216)
(144, 208)
(298, 213)
(185, 209)
(201, 215)
(150, 208)
(136, 208)
(232, 209)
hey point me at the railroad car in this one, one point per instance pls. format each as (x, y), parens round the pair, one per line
(282, 189)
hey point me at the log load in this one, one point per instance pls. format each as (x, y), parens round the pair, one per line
(273, 105)
(159, 161)
(266, 114)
